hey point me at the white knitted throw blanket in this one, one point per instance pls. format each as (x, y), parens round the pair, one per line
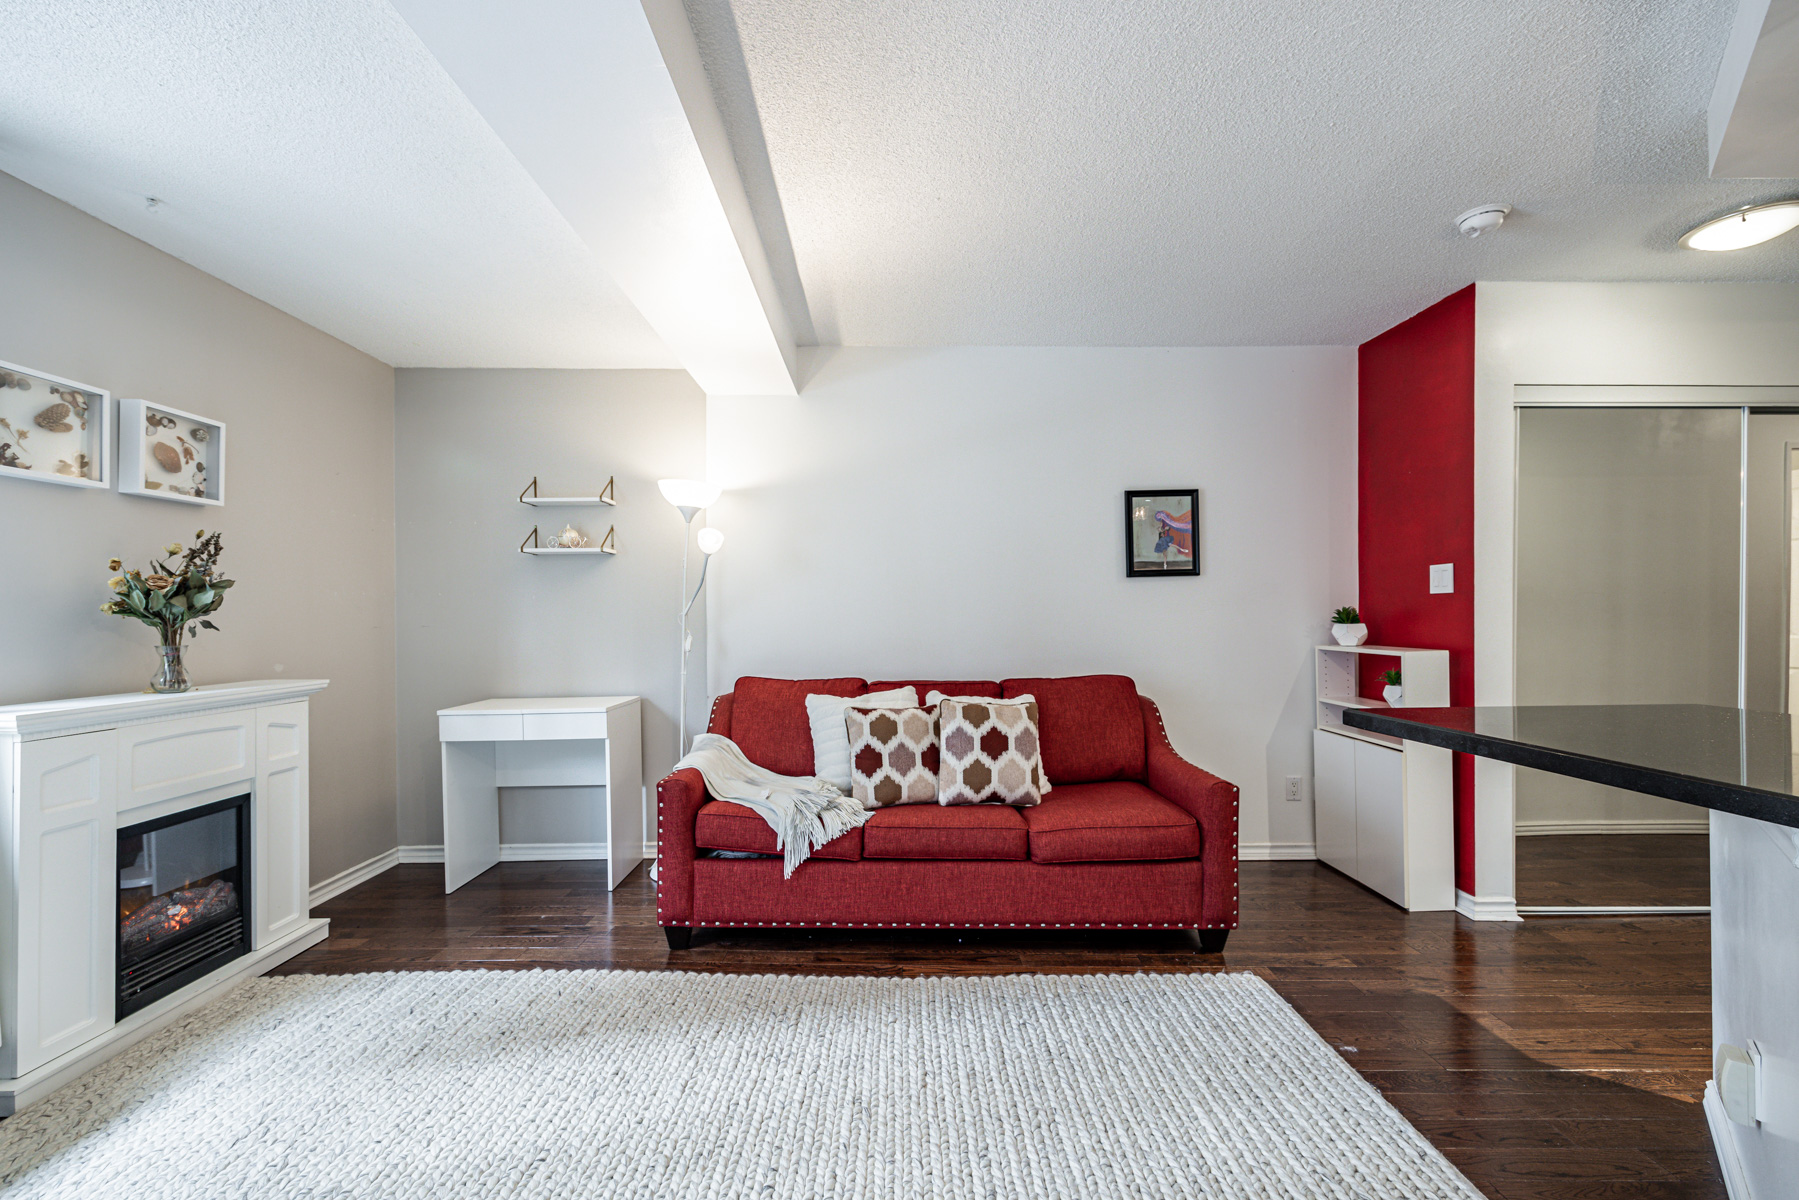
(805, 812)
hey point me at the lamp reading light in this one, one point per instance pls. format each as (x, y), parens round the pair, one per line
(1746, 227)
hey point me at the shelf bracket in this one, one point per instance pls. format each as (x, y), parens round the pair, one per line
(606, 496)
(530, 538)
(606, 543)
(530, 490)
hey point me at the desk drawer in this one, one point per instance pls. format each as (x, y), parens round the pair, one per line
(553, 727)
(480, 727)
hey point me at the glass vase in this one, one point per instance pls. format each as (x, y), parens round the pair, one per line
(172, 675)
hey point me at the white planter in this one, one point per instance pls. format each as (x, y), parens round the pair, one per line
(1394, 694)
(1349, 635)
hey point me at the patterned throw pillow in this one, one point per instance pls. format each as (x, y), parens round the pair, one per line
(990, 751)
(893, 755)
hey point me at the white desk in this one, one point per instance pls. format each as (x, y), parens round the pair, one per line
(562, 741)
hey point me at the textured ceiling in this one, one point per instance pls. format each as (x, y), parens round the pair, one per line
(315, 155)
(1163, 172)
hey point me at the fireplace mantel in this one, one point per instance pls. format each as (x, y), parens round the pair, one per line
(53, 718)
(75, 772)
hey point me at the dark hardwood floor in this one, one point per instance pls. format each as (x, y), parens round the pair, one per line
(1559, 1059)
(1615, 869)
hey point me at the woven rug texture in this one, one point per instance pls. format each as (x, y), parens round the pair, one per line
(538, 1084)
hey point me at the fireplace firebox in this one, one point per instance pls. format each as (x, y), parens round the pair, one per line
(184, 888)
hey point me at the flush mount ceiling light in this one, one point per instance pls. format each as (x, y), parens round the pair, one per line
(1482, 218)
(1749, 226)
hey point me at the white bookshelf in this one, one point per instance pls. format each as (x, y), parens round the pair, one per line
(1424, 675)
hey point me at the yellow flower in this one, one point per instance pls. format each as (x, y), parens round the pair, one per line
(199, 534)
(106, 608)
(172, 548)
(157, 582)
(116, 583)
(114, 564)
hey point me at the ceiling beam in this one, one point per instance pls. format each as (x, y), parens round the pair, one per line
(1753, 121)
(605, 103)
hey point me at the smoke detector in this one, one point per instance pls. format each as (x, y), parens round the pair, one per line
(1483, 218)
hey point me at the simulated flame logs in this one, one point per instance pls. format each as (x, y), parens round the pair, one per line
(166, 916)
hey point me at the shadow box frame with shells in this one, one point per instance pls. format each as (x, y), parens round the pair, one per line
(168, 454)
(54, 430)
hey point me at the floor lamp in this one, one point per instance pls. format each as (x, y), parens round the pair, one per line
(690, 496)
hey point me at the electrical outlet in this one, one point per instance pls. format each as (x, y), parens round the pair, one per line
(1296, 787)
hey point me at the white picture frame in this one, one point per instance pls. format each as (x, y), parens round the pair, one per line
(181, 459)
(76, 452)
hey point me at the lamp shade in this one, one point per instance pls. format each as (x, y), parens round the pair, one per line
(710, 540)
(688, 493)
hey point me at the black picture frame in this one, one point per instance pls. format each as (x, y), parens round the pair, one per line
(1154, 513)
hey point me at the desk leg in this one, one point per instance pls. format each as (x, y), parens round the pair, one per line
(624, 794)
(471, 812)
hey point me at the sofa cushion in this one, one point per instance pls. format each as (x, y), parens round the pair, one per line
(893, 755)
(768, 719)
(722, 825)
(989, 751)
(1092, 726)
(1107, 822)
(990, 831)
(949, 687)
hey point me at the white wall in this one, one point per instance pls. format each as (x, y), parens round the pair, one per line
(308, 518)
(477, 619)
(1659, 334)
(959, 513)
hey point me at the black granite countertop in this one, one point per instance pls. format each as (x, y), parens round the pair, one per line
(1735, 760)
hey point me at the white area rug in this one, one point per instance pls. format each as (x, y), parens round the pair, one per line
(616, 1083)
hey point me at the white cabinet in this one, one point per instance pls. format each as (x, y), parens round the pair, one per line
(1384, 817)
(66, 889)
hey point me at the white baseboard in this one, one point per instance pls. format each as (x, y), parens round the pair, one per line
(1736, 1186)
(1275, 851)
(349, 877)
(1662, 825)
(523, 852)
(1486, 908)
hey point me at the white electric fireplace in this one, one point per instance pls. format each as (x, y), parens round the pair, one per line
(153, 852)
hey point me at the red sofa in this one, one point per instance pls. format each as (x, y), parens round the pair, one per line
(1130, 836)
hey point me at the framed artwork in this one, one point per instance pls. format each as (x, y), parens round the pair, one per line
(170, 454)
(1161, 535)
(53, 429)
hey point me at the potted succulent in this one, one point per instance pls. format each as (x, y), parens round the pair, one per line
(1392, 693)
(1347, 627)
(173, 599)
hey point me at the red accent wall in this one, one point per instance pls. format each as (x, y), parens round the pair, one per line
(1415, 454)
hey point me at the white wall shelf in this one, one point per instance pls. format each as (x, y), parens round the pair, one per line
(606, 545)
(530, 496)
(1382, 806)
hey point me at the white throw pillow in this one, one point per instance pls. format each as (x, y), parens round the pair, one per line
(936, 697)
(830, 738)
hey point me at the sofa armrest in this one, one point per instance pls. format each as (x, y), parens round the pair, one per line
(678, 800)
(720, 720)
(1210, 801)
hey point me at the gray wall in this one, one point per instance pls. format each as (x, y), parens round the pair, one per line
(477, 619)
(308, 518)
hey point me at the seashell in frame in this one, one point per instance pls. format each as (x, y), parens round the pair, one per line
(167, 457)
(55, 418)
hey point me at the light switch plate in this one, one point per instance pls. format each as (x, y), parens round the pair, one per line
(1442, 578)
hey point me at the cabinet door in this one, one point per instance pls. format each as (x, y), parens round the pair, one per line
(67, 894)
(1380, 819)
(281, 825)
(1333, 799)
